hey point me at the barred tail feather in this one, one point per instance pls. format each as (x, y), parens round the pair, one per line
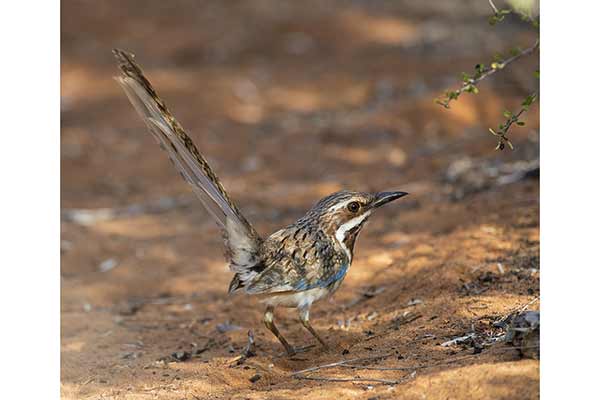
(241, 240)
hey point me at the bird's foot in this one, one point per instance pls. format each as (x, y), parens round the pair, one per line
(292, 350)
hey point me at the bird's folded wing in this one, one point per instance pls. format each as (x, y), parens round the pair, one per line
(284, 277)
(297, 264)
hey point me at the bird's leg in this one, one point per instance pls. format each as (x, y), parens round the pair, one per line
(304, 318)
(268, 320)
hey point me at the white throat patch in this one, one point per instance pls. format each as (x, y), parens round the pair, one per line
(340, 234)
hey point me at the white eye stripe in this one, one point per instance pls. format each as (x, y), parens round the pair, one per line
(340, 205)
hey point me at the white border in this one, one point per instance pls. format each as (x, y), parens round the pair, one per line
(29, 212)
(29, 208)
(570, 199)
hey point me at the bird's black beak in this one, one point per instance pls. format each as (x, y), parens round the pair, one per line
(382, 198)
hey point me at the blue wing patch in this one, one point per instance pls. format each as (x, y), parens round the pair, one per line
(302, 284)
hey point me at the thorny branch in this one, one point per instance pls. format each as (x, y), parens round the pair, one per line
(511, 119)
(482, 72)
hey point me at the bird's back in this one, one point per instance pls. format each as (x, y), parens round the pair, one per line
(299, 257)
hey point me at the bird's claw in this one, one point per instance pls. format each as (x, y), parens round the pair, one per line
(292, 351)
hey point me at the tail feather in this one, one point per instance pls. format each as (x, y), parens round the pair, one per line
(241, 240)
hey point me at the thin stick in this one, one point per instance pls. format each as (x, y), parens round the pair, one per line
(458, 340)
(525, 306)
(518, 309)
(335, 364)
(526, 17)
(402, 320)
(385, 381)
(442, 362)
(249, 350)
(436, 364)
(493, 7)
(383, 368)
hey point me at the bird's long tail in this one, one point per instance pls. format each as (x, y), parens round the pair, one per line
(242, 241)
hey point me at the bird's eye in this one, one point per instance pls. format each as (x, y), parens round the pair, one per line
(353, 207)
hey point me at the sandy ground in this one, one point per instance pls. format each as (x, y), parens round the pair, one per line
(291, 101)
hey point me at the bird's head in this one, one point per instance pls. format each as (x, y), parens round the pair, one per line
(343, 214)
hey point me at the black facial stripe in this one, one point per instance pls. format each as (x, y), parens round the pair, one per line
(350, 236)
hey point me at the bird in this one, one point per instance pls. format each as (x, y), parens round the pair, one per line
(295, 266)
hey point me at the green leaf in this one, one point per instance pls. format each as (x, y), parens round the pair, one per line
(507, 114)
(529, 100)
(520, 123)
(515, 51)
(536, 73)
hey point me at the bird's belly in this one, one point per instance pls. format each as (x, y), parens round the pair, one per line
(295, 299)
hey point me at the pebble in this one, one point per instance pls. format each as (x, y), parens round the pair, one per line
(108, 264)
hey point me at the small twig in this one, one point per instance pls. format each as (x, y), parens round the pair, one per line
(249, 350)
(335, 364)
(385, 381)
(345, 364)
(511, 119)
(406, 318)
(90, 380)
(382, 368)
(435, 364)
(500, 322)
(375, 336)
(499, 15)
(525, 306)
(423, 366)
(476, 307)
(493, 6)
(458, 340)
